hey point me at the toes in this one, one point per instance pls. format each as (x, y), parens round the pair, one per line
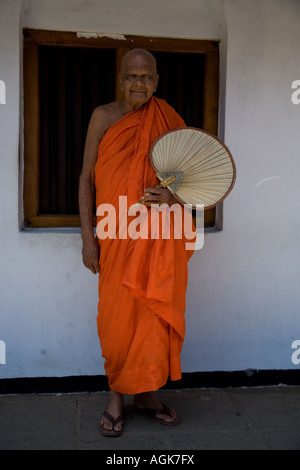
(106, 424)
(168, 415)
(118, 426)
(167, 418)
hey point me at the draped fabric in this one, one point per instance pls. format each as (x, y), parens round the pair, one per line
(142, 282)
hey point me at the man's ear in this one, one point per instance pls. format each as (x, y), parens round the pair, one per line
(157, 80)
(121, 82)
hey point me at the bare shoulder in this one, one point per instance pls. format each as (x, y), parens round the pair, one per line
(106, 115)
(102, 118)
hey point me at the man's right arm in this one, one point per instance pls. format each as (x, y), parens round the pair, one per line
(90, 246)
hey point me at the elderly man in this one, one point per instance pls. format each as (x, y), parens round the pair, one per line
(142, 282)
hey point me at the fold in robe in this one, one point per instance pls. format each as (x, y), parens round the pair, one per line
(142, 282)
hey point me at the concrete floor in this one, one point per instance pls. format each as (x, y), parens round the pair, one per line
(212, 419)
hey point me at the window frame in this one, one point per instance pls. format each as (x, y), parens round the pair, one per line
(33, 38)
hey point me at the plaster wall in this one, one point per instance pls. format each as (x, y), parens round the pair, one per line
(243, 295)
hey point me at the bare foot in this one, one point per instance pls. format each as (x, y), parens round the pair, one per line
(147, 400)
(114, 408)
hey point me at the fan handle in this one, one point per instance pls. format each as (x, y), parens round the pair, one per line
(163, 184)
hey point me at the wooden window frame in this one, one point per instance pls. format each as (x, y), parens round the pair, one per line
(34, 38)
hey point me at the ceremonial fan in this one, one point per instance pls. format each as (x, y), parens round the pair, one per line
(194, 165)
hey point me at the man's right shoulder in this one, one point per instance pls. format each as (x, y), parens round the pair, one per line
(107, 114)
(109, 109)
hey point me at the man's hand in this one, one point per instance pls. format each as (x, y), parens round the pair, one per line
(158, 196)
(90, 255)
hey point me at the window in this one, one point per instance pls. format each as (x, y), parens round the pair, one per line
(72, 83)
(66, 77)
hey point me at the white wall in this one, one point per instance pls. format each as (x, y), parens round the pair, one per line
(141, 17)
(243, 297)
(244, 286)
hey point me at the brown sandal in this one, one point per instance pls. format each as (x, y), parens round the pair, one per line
(153, 412)
(111, 432)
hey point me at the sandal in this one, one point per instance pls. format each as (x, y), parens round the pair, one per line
(111, 432)
(165, 411)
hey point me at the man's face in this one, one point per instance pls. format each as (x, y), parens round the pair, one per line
(138, 79)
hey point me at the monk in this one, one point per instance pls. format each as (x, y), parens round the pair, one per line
(142, 282)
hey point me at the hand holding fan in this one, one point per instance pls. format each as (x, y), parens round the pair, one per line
(194, 165)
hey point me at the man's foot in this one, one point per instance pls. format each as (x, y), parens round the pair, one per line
(111, 423)
(159, 411)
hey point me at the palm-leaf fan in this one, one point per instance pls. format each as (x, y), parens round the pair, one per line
(194, 165)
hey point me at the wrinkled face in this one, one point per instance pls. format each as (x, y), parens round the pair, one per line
(138, 79)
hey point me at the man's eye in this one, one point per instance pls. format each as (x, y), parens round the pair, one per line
(145, 78)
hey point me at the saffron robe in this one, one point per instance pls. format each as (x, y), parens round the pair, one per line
(142, 282)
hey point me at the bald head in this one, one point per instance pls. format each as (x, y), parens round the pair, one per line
(133, 54)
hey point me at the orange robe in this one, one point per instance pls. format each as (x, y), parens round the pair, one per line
(142, 282)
